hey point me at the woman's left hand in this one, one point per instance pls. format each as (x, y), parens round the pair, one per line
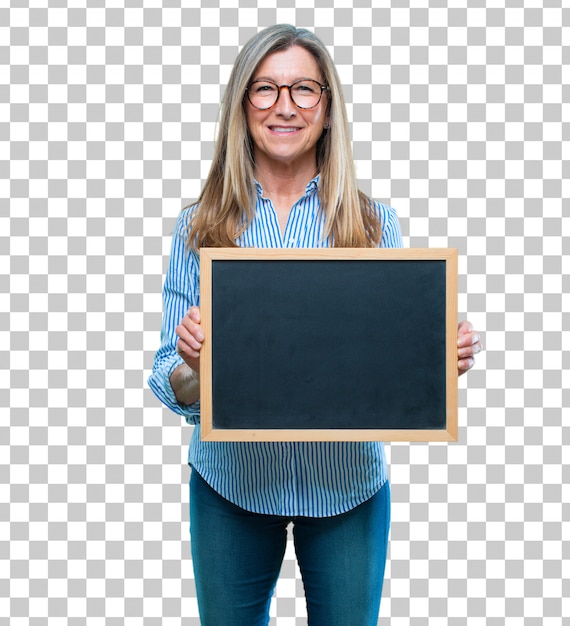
(468, 345)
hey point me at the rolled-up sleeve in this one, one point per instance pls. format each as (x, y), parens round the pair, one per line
(181, 291)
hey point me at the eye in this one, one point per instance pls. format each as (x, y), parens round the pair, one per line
(262, 88)
(307, 87)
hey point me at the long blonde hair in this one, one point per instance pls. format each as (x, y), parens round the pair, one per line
(226, 205)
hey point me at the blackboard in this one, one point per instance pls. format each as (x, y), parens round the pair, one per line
(328, 344)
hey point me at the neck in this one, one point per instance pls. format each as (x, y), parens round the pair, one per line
(284, 179)
(283, 185)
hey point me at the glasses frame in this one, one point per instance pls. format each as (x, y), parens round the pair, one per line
(280, 87)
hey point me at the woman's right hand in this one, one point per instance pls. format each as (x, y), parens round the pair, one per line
(190, 338)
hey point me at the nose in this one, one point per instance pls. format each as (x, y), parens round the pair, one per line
(284, 105)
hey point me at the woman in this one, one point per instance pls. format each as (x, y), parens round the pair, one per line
(282, 176)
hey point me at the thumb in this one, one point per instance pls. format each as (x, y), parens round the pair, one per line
(194, 314)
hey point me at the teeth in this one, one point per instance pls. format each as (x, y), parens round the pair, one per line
(279, 129)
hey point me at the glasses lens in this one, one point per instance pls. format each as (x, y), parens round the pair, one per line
(306, 94)
(262, 94)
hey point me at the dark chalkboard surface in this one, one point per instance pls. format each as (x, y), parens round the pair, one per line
(329, 344)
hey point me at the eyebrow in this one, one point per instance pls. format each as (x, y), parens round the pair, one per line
(272, 80)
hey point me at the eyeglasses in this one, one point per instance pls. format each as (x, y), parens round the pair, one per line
(305, 93)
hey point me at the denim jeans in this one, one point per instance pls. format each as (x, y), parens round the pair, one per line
(237, 556)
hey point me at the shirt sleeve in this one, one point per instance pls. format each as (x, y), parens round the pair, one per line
(391, 231)
(181, 291)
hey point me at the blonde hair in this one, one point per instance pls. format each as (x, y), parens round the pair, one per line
(227, 203)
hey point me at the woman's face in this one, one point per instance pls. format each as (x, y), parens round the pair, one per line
(286, 135)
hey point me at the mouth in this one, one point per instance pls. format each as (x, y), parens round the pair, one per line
(284, 130)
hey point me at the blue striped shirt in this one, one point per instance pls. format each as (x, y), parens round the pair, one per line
(315, 479)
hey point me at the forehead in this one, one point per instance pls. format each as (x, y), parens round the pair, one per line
(288, 65)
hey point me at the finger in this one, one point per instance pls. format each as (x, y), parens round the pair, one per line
(193, 337)
(464, 328)
(189, 356)
(465, 364)
(192, 327)
(470, 349)
(467, 353)
(194, 314)
(184, 350)
(469, 339)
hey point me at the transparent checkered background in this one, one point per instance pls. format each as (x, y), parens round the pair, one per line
(460, 120)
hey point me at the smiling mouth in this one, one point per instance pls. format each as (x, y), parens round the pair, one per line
(284, 129)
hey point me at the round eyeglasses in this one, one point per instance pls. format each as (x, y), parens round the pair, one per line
(305, 93)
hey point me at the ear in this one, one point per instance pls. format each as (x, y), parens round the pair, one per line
(327, 123)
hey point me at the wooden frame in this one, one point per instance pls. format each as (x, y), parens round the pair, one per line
(233, 280)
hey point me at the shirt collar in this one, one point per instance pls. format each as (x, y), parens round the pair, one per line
(311, 187)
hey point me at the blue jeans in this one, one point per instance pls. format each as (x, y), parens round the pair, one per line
(237, 556)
